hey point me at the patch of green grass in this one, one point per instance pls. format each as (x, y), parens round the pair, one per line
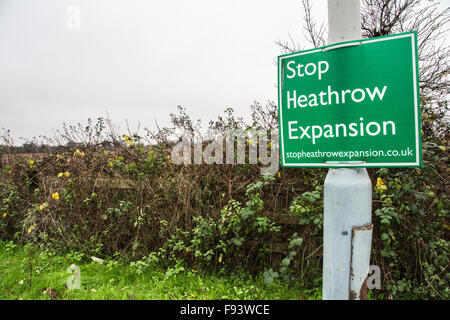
(42, 275)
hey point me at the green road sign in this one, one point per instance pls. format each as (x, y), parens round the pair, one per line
(351, 104)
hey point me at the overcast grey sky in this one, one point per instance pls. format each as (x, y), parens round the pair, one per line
(137, 59)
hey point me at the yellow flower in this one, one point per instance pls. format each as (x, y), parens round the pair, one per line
(111, 164)
(4, 215)
(78, 153)
(220, 258)
(66, 174)
(41, 207)
(31, 162)
(381, 187)
(55, 196)
(60, 174)
(29, 230)
(279, 174)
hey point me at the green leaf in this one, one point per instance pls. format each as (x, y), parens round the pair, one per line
(286, 262)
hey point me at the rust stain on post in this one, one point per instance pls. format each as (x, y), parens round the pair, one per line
(360, 256)
(363, 291)
(365, 228)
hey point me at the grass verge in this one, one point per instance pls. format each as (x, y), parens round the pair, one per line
(31, 274)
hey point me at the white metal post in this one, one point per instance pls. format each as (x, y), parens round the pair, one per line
(347, 229)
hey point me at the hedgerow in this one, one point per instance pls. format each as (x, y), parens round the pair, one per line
(115, 196)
